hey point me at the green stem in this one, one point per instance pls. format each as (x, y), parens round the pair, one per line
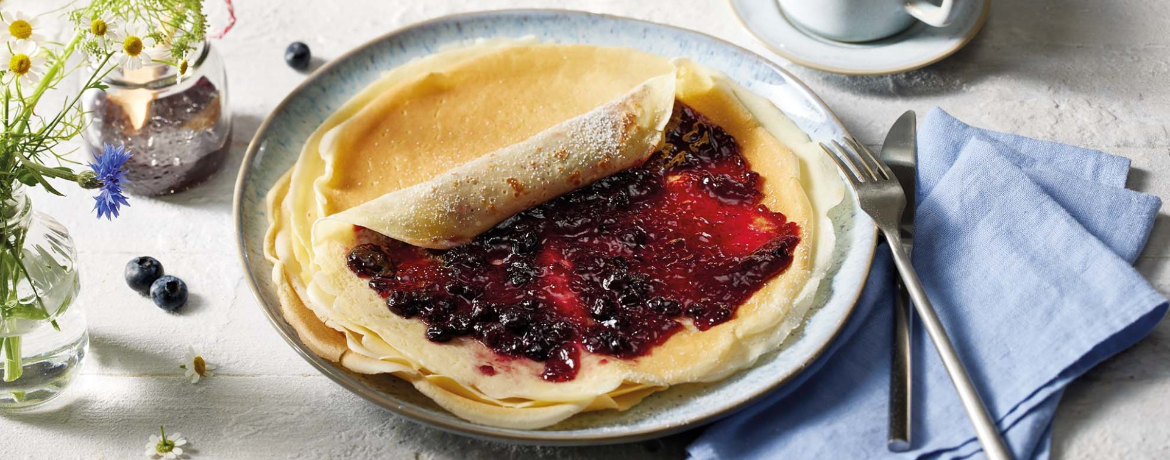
(46, 82)
(13, 364)
(55, 173)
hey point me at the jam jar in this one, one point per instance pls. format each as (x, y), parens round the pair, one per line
(176, 128)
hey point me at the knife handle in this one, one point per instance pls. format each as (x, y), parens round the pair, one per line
(986, 430)
(900, 387)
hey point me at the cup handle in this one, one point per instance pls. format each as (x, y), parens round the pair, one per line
(923, 10)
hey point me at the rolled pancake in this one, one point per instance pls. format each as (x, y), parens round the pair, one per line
(459, 204)
(516, 397)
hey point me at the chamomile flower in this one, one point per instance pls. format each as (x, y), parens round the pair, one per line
(22, 60)
(134, 50)
(160, 446)
(20, 27)
(181, 71)
(196, 367)
(103, 30)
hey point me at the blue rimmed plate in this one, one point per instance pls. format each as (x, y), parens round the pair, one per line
(278, 142)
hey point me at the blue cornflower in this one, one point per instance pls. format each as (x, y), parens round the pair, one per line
(108, 169)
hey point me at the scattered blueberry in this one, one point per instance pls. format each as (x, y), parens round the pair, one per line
(169, 293)
(298, 55)
(141, 272)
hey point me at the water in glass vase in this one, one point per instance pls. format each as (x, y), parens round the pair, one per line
(43, 337)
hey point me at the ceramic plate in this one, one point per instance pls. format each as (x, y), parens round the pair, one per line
(916, 47)
(278, 142)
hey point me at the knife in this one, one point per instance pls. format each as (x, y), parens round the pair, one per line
(900, 152)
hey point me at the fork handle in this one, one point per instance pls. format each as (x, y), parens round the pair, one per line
(898, 435)
(985, 428)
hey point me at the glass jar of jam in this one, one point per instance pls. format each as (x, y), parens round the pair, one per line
(177, 128)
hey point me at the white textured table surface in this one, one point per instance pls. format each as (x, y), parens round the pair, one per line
(1087, 72)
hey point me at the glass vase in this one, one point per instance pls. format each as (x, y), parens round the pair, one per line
(176, 127)
(43, 339)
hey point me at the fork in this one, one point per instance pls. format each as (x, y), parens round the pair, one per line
(880, 196)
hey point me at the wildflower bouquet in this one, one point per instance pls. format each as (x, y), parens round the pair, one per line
(104, 35)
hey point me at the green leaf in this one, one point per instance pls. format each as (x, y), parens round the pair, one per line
(26, 178)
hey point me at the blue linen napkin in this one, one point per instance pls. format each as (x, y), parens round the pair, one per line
(1025, 247)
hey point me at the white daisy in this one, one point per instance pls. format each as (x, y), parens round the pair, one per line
(134, 47)
(22, 60)
(196, 367)
(103, 29)
(182, 70)
(160, 446)
(18, 26)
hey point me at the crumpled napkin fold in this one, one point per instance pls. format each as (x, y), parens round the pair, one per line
(1025, 247)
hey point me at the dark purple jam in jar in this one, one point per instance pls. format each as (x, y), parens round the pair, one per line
(178, 131)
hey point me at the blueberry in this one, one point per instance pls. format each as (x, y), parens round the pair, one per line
(461, 259)
(403, 304)
(603, 308)
(509, 345)
(435, 310)
(460, 324)
(536, 347)
(141, 271)
(529, 305)
(520, 272)
(515, 320)
(609, 342)
(525, 242)
(169, 293)
(560, 331)
(368, 260)
(297, 55)
(483, 312)
(495, 242)
(464, 291)
(634, 237)
(665, 306)
(439, 334)
(492, 334)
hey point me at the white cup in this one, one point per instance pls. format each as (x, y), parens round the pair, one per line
(864, 20)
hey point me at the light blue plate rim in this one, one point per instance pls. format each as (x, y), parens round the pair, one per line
(790, 95)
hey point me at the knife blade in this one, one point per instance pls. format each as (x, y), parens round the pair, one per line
(900, 153)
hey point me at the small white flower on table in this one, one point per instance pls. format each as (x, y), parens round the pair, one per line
(196, 367)
(160, 446)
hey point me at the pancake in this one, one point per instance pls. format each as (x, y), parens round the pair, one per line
(456, 205)
(408, 145)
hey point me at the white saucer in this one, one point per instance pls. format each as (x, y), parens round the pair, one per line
(918, 46)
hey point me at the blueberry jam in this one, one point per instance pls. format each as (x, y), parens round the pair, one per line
(614, 267)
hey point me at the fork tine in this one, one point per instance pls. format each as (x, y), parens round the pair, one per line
(849, 158)
(868, 157)
(845, 171)
(856, 149)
